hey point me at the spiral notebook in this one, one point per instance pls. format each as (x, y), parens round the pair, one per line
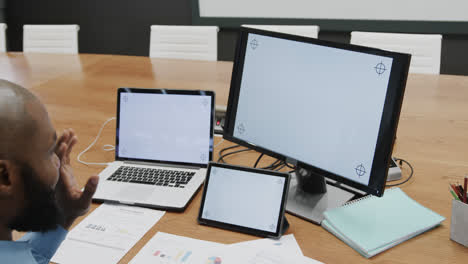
(371, 224)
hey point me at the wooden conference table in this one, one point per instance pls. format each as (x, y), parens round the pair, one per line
(80, 92)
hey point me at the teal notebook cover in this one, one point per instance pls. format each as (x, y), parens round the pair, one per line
(371, 225)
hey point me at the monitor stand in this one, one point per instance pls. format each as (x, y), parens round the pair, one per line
(310, 196)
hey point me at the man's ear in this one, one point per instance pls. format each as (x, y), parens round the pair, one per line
(7, 172)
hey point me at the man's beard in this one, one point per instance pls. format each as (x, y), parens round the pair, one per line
(41, 212)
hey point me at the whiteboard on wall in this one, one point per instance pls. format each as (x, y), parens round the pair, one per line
(446, 15)
(413, 10)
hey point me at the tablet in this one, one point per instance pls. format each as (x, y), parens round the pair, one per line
(244, 199)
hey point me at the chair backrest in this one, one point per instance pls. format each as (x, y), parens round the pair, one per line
(51, 38)
(425, 49)
(305, 31)
(184, 42)
(3, 28)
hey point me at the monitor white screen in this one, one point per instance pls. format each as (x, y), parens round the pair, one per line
(315, 104)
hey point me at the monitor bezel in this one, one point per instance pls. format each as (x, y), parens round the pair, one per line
(389, 120)
(211, 94)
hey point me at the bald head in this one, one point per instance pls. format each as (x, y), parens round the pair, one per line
(17, 123)
(29, 165)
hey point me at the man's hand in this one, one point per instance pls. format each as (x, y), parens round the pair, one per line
(70, 198)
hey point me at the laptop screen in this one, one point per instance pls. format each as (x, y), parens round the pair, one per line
(167, 126)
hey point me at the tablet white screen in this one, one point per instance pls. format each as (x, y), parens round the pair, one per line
(244, 198)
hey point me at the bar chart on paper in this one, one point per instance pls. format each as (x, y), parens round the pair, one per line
(181, 256)
(177, 256)
(165, 248)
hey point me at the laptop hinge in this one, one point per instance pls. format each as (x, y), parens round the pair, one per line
(161, 165)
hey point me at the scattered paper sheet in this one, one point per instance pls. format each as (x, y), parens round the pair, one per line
(106, 235)
(165, 248)
(286, 245)
(266, 251)
(251, 256)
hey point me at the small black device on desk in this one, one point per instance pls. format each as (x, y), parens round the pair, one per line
(220, 116)
(245, 199)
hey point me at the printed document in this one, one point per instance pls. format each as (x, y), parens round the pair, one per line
(106, 235)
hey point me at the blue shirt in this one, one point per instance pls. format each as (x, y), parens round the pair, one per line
(33, 247)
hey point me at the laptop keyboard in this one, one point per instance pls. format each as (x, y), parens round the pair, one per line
(160, 177)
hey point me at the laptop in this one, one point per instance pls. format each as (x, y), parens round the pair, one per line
(163, 143)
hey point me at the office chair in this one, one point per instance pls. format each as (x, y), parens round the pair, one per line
(425, 49)
(51, 38)
(184, 42)
(3, 28)
(305, 31)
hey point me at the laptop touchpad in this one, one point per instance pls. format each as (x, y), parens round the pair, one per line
(135, 193)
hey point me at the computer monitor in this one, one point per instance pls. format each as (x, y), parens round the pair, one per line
(330, 109)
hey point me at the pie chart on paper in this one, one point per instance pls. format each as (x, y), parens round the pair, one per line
(214, 260)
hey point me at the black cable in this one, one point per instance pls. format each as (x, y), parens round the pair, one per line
(409, 177)
(224, 149)
(289, 166)
(220, 153)
(281, 167)
(273, 166)
(279, 164)
(221, 158)
(258, 160)
(276, 165)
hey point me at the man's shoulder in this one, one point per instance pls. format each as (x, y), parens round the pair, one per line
(16, 252)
